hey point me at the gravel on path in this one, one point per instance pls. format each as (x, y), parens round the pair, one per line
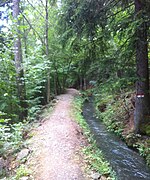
(57, 143)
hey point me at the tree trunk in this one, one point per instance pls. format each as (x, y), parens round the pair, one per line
(80, 83)
(18, 62)
(55, 84)
(84, 84)
(47, 51)
(142, 106)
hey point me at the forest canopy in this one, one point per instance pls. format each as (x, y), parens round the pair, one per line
(48, 45)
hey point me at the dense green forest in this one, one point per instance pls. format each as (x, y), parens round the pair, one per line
(101, 46)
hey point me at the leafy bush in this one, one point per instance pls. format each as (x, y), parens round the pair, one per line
(110, 112)
(144, 149)
(115, 108)
(11, 136)
(22, 171)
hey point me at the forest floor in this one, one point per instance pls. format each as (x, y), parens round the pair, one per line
(56, 144)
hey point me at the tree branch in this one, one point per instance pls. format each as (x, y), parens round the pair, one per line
(114, 14)
(4, 3)
(35, 8)
(40, 13)
(34, 29)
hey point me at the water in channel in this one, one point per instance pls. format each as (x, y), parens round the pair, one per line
(127, 164)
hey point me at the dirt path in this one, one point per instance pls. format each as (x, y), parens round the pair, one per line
(56, 145)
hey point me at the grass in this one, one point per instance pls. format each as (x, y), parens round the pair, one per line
(93, 156)
(22, 171)
(116, 109)
(14, 138)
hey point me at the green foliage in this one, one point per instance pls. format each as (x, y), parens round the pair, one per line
(144, 149)
(106, 37)
(35, 67)
(132, 139)
(88, 40)
(22, 171)
(8, 95)
(11, 141)
(11, 136)
(113, 105)
(115, 108)
(145, 128)
(95, 158)
(112, 118)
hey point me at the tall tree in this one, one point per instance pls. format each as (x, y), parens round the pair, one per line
(47, 50)
(142, 106)
(18, 61)
(91, 17)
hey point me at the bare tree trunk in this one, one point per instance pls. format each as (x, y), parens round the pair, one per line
(142, 105)
(18, 62)
(84, 83)
(55, 84)
(81, 83)
(25, 37)
(47, 51)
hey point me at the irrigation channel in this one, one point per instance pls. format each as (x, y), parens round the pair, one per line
(127, 164)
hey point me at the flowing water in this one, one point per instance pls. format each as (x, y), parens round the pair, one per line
(127, 164)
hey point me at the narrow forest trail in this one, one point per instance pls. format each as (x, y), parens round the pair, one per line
(56, 145)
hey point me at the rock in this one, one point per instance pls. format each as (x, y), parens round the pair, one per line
(54, 101)
(24, 178)
(2, 164)
(95, 176)
(103, 178)
(22, 154)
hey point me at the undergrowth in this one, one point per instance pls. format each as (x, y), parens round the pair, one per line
(92, 155)
(13, 139)
(115, 107)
